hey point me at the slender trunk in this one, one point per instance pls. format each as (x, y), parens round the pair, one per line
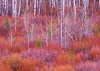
(0, 7)
(83, 29)
(46, 34)
(11, 39)
(10, 35)
(99, 3)
(19, 9)
(7, 7)
(74, 3)
(27, 20)
(27, 7)
(69, 1)
(79, 2)
(65, 36)
(15, 23)
(61, 40)
(34, 7)
(28, 29)
(63, 8)
(61, 25)
(13, 7)
(15, 15)
(32, 32)
(14, 11)
(51, 30)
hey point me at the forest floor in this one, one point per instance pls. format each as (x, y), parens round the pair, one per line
(81, 55)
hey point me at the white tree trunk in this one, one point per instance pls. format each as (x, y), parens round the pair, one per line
(62, 16)
(61, 40)
(99, 3)
(69, 3)
(79, 2)
(27, 7)
(13, 7)
(11, 39)
(15, 14)
(51, 30)
(6, 7)
(63, 8)
(3, 7)
(35, 7)
(0, 7)
(74, 3)
(5, 4)
(19, 9)
(46, 34)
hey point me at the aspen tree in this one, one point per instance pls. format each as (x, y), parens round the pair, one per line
(14, 9)
(0, 7)
(99, 3)
(35, 7)
(51, 30)
(19, 7)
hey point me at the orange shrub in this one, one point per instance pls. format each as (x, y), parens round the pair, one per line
(2, 67)
(19, 42)
(15, 62)
(27, 65)
(18, 33)
(88, 66)
(16, 49)
(66, 58)
(77, 58)
(3, 42)
(45, 68)
(12, 62)
(80, 45)
(56, 47)
(18, 45)
(95, 53)
(61, 59)
(96, 29)
(64, 68)
(31, 65)
(94, 41)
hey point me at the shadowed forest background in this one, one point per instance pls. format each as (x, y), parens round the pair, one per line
(49, 35)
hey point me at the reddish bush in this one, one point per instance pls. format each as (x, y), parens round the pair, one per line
(61, 59)
(52, 47)
(64, 68)
(16, 49)
(3, 42)
(51, 67)
(65, 58)
(87, 66)
(2, 67)
(81, 45)
(95, 53)
(40, 54)
(19, 42)
(31, 65)
(15, 62)
(95, 41)
(77, 58)
(96, 29)
(18, 33)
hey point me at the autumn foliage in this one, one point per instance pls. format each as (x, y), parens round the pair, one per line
(34, 44)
